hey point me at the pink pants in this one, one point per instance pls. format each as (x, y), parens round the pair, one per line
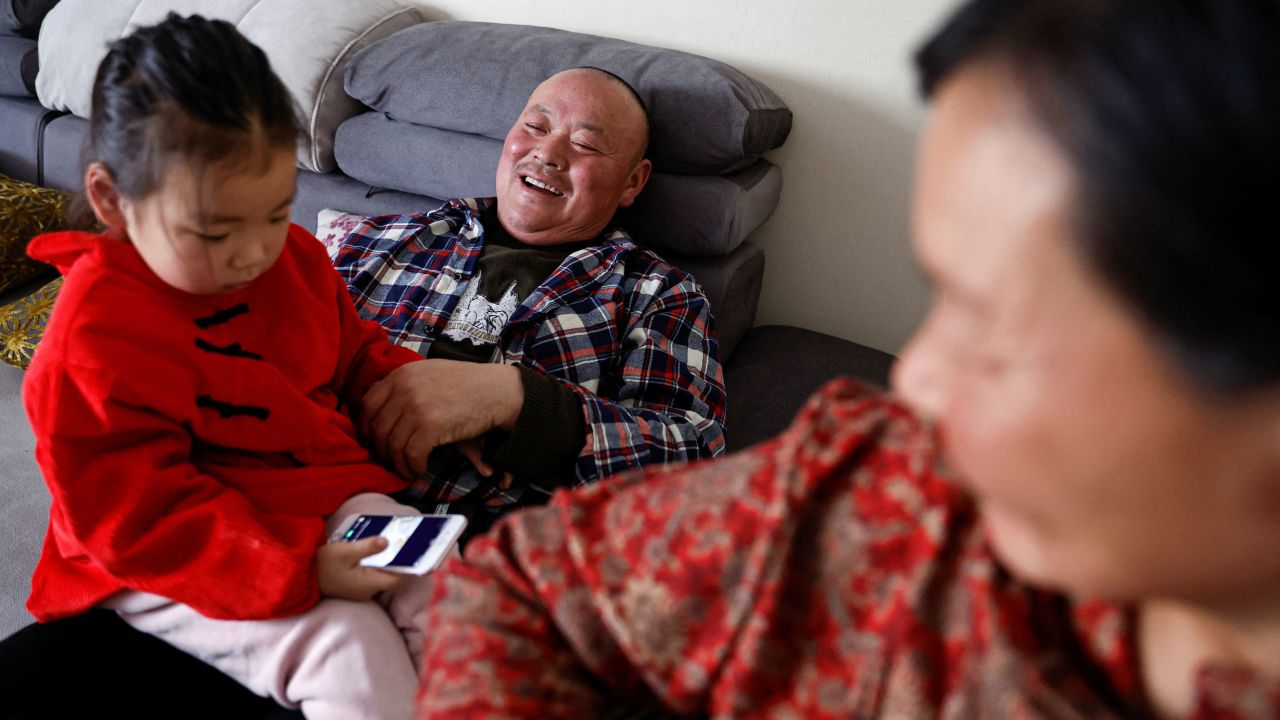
(340, 659)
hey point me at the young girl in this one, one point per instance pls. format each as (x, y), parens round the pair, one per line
(188, 397)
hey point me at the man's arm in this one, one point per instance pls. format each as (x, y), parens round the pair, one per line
(668, 401)
(423, 405)
(665, 401)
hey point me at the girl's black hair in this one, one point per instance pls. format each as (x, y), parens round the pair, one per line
(187, 87)
(1169, 110)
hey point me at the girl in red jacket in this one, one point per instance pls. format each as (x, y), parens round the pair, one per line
(188, 399)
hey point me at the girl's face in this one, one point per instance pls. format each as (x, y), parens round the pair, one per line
(1099, 467)
(216, 231)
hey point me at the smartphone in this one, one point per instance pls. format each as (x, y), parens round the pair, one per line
(415, 543)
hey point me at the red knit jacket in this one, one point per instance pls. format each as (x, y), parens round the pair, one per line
(193, 444)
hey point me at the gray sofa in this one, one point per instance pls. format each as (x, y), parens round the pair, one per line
(769, 370)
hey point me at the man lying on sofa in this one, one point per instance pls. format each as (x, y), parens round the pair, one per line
(558, 352)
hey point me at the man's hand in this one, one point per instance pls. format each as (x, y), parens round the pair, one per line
(342, 575)
(423, 405)
(473, 450)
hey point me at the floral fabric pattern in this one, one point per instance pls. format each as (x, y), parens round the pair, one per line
(22, 324)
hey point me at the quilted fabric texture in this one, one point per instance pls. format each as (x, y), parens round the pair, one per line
(22, 324)
(307, 42)
(26, 211)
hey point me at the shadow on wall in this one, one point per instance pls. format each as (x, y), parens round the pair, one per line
(848, 170)
(432, 14)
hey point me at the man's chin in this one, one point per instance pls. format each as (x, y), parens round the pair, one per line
(530, 230)
(519, 221)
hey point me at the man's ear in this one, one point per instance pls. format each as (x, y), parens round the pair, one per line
(103, 196)
(635, 182)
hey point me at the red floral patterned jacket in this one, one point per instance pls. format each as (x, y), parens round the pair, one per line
(833, 572)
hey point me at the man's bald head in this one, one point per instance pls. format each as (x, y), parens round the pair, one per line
(639, 104)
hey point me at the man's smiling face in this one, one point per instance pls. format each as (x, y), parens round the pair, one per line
(571, 159)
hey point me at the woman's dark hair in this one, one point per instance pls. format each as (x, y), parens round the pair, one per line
(1169, 110)
(187, 87)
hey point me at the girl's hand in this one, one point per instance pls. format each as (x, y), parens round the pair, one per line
(342, 576)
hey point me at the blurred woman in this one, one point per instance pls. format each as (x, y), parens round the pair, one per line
(1072, 509)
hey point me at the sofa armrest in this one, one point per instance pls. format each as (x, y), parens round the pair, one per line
(777, 367)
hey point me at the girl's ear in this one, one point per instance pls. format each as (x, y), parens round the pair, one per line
(100, 188)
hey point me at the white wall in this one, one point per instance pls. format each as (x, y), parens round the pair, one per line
(837, 248)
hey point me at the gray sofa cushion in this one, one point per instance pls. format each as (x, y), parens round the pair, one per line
(18, 66)
(441, 163)
(318, 191)
(688, 214)
(21, 119)
(732, 285)
(23, 17)
(706, 116)
(704, 215)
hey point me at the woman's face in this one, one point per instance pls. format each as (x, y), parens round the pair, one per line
(1098, 467)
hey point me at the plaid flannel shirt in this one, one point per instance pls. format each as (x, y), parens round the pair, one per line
(632, 335)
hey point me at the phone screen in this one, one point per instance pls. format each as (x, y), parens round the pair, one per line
(408, 537)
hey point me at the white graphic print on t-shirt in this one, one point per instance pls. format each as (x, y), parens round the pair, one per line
(479, 319)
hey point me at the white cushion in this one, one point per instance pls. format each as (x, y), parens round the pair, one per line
(307, 41)
(334, 225)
